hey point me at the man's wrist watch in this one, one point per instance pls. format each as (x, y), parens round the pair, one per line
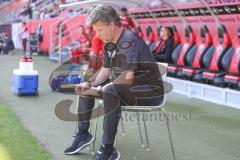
(99, 89)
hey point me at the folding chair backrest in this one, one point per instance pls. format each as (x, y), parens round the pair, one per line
(163, 70)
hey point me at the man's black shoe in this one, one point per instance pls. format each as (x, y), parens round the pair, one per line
(80, 142)
(106, 154)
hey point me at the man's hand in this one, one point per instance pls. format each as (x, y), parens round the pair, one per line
(80, 88)
(97, 79)
(86, 49)
(77, 47)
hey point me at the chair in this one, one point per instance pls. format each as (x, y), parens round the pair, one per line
(177, 39)
(215, 73)
(202, 57)
(179, 58)
(232, 79)
(143, 109)
(150, 38)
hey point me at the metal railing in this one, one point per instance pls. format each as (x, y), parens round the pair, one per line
(69, 30)
(52, 35)
(55, 39)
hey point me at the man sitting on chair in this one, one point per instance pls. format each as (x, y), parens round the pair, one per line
(163, 50)
(133, 75)
(82, 48)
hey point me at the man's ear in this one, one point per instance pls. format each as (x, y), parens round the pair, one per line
(112, 23)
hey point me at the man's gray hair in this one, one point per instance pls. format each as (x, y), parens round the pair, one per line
(104, 14)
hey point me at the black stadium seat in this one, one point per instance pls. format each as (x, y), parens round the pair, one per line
(232, 79)
(177, 45)
(150, 37)
(216, 73)
(188, 49)
(158, 31)
(159, 39)
(177, 39)
(202, 57)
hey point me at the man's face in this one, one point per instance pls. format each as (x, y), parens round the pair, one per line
(104, 32)
(124, 13)
(164, 33)
(81, 30)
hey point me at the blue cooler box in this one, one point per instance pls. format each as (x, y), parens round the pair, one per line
(25, 82)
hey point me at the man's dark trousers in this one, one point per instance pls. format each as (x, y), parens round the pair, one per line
(112, 109)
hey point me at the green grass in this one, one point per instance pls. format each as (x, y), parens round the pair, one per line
(16, 143)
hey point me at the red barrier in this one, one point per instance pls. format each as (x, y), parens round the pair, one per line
(72, 33)
(47, 26)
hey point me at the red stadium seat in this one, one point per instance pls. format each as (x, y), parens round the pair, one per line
(188, 49)
(177, 39)
(140, 33)
(158, 32)
(232, 79)
(150, 38)
(177, 45)
(204, 49)
(216, 73)
(159, 39)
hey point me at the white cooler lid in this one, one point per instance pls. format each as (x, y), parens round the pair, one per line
(25, 72)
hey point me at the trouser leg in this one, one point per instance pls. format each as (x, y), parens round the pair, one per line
(113, 98)
(85, 108)
(112, 110)
(24, 44)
